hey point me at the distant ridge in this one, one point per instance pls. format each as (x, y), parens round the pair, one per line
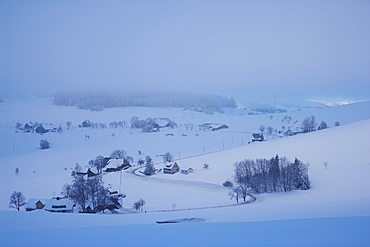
(98, 101)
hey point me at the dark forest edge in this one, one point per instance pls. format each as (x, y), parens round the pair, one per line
(98, 101)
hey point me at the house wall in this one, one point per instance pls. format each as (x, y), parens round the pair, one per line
(39, 205)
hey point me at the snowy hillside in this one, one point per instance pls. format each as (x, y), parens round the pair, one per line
(338, 200)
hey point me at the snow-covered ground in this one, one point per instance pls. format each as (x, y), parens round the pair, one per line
(335, 212)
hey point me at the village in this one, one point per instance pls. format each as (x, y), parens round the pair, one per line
(113, 199)
(113, 202)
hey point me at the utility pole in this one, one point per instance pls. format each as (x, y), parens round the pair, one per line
(120, 181)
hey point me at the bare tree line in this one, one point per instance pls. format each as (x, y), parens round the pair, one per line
(269, 175)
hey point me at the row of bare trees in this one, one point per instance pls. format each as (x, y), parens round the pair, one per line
(87, 192)
(269, 175)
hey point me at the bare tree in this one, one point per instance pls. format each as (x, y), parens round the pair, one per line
(140, 162)
(241, 191)
(60, 129)
(17, 200)
(69, 124)
(139, 205)
(235, 193)
(189, 126)
(77, 167)
(276, 174)
(98, 163)
(18, 125)
(118, 154)
(269, 130)
(83, 191)
(67, 190)
(326, 165)
(78, 192)
(262, 128)
(309, 124)
(167, 157)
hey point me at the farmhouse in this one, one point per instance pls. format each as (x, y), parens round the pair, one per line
(289, 133)
(224, 126)
(257, 137)
(41, 130)
(171, 168)
(60, 204)
(28, 128)
(34, 203)
(115, 164)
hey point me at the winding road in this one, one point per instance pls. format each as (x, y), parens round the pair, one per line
(251, 198)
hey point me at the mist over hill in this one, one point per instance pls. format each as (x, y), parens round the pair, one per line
(98, 101)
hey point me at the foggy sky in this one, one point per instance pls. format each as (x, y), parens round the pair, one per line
(245, 49)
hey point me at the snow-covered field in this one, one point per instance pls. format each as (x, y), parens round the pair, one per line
(335, 212)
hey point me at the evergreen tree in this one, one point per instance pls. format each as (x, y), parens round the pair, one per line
(149, 166)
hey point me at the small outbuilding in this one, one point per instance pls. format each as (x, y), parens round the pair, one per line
(187, 171)
(35, 203)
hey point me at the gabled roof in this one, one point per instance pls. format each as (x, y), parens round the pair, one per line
(90, 173)
(170, 165)
(31, 204)
(41, 129)
(224, 126)
(114, 163)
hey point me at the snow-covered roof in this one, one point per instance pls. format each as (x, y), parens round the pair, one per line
(257, 135)
(59, 204)
(170, 165)
(114, 163)
(31, 204)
